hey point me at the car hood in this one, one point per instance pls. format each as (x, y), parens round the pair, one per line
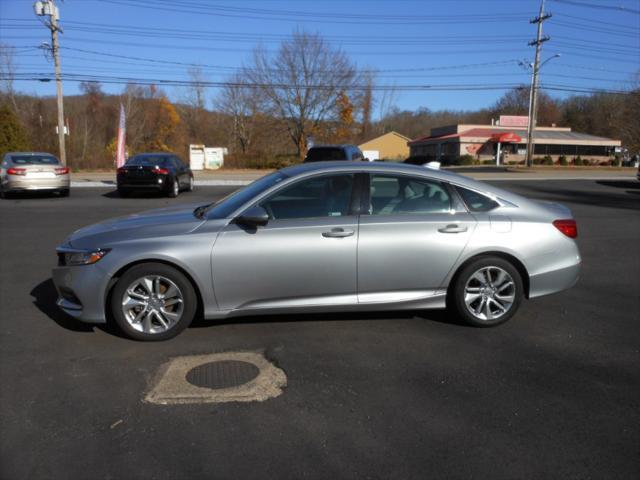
(153, 223)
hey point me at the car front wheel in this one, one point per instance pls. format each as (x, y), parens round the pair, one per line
(153, 301)
(486, 292)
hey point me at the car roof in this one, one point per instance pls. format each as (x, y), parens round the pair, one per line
(395, 167)
(33, 154)
(154, 154)
(401, 168)
(328, 145)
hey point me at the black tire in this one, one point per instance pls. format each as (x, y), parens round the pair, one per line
(174, 190)
(191, 184)
(190, 300)
(65, 193)
(124, 193)
(490, 296)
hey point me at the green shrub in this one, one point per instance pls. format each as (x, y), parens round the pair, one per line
(537, 161)
(466, 159)
(578, 161)
(547, 160)
(562, 160)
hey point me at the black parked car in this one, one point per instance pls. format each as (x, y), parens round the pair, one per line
(163, 172)
(329, 153)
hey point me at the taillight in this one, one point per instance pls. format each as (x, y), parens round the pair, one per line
(162, 171)
(568, 227)
(16, 171)
(62, 170)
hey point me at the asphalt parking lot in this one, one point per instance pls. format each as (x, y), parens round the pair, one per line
(554, 393)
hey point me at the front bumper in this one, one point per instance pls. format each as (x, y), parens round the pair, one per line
(81, 291)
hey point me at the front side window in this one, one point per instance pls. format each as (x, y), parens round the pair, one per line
(232, 202)
(326, 196)
(400, 195)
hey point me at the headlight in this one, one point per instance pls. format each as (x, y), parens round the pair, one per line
(69, 257)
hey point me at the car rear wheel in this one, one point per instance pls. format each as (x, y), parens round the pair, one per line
(65, 193)
(123, 193)
(175, 188)
(486, 292)
(191, 184)
(153, 301)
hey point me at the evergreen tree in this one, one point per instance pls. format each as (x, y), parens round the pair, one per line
(13, 136)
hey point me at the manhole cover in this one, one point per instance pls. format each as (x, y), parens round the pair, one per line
(222, 374)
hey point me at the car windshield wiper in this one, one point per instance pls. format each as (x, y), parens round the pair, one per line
(200, 211)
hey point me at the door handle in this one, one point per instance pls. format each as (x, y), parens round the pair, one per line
(338, 233)
(453, 228)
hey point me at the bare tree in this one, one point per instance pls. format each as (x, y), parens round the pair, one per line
(386, 106)
(366, 105)
(301, 83)
(7, 73)
(195, 99)
(242, 104)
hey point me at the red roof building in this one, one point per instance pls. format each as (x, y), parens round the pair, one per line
(487, 142)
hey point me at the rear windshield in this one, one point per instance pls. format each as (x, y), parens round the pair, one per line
(148, 160)
(34, 160)
(322, 154)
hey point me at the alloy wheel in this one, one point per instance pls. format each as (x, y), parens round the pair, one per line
(489, 293)
(152, 304)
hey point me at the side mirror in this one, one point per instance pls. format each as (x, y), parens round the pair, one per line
(253, 217)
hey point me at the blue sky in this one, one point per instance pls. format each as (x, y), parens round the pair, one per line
(475, 43)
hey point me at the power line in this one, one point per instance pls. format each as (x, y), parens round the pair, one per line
(45, 76)
(211, 10)
(599, 6)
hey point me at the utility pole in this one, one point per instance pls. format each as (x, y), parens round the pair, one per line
(49, 9)
(533, 97)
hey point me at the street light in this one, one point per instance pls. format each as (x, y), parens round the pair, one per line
(532, 114)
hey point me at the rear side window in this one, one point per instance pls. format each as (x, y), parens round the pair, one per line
(34, 160)
(402, 195)
(475, 201)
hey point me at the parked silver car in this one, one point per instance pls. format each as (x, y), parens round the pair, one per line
(318, 237)
(33, 171)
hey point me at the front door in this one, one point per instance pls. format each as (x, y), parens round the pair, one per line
(304, 256)
(410, 239)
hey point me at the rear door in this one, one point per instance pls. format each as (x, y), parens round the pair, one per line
(409, 239)
(305, 256)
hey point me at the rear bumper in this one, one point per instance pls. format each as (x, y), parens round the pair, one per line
(18, 183)
(157, 185)
(555, 280)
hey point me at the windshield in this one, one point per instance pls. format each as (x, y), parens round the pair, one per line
(34, 160)
(148, 160)
(230, 203)
(323, 154)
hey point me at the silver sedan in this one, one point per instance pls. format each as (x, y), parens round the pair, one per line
(32, 171)
(320, 237)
